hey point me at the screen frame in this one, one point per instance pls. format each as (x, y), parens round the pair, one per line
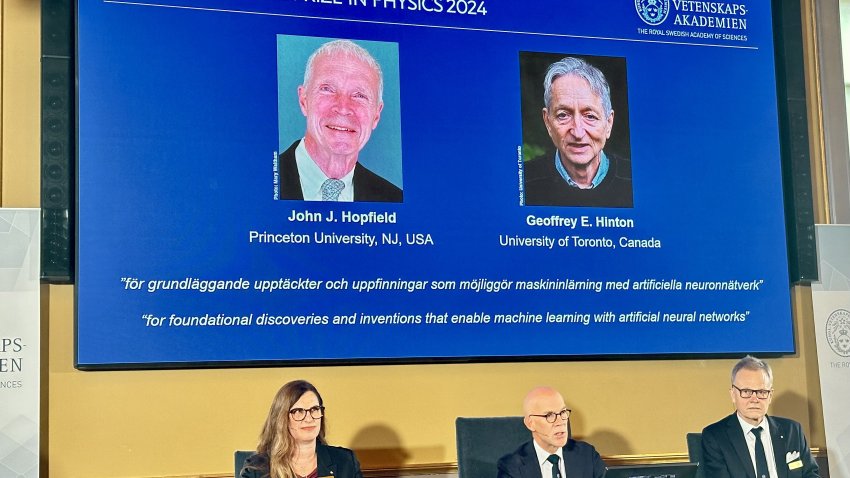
(787, 37)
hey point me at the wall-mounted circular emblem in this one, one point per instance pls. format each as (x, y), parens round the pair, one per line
(653, 12)
(838, 332)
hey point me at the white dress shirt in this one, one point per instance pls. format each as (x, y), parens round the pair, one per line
(312, 177)
(545, 464)
(766, 441)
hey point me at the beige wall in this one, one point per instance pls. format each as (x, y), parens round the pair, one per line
(19, 100)
(188, 422)
(155, 423)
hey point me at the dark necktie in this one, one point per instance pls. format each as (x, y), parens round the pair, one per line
(556, 470)
(761, 458)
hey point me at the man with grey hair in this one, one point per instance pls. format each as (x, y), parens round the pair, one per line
(578, 116)
(748, 443)
(342, 100)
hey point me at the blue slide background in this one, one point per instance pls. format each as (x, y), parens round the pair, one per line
(178, 126)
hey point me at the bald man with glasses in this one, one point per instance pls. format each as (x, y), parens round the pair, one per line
(551, 453)
(749, 443)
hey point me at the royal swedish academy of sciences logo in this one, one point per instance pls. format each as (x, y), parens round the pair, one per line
(653, 12)
(838, 332)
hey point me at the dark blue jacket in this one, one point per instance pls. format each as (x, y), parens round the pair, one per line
(725, 453)
(580, 461)
(333, 461)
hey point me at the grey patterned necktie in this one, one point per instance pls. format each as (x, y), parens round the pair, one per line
(331, 189)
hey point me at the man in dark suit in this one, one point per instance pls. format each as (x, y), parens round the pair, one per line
(341, 99)
(367, 185)
(551, 453)
(578, 116)
(750, 444)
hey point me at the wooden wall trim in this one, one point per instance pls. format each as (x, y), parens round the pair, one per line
(450, 468)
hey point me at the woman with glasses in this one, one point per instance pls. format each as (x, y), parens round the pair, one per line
(292, 442)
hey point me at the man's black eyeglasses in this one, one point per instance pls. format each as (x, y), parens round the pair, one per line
(552, 416)
(747, 393)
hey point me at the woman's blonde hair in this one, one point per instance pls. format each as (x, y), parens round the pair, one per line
(275, 440)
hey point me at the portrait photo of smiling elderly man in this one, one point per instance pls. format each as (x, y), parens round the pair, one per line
(340, 107)
(574, 153)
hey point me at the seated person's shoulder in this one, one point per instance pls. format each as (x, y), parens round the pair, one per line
(784, 420)
(338, 450)
(715, 427)
(579, 445)
(512, 458)
(257, 459)
(789, 424)
(582, 450)
(256, 466)
(344, 459)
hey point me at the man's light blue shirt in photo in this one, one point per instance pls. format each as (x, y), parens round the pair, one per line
(600, 173)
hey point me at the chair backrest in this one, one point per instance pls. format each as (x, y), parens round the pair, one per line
(482, 441)
(695, 452)
(239, 458)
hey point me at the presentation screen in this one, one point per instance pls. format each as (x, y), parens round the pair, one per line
(369, 181)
